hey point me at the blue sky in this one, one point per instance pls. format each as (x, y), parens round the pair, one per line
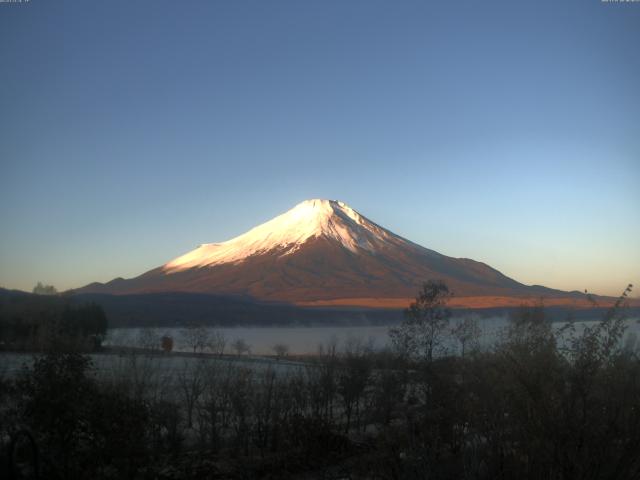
(507, 132)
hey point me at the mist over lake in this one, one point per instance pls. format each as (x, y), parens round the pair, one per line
(306, 340)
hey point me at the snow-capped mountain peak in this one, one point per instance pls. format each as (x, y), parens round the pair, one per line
(288, 232)
(321, 251)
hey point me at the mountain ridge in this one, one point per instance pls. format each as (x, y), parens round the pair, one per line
(320, 251)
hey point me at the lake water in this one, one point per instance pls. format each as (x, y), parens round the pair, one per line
(300, 340)
(306, 340)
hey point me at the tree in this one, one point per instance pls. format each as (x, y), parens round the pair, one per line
(353, 379)
(575, 390)
(240, 346)
(217, 343)
(467, 331)
(529, 321)
(421, 332)
(42, 289)
(281, 350)
(148, 339)
(55, 394)
(191, 380)
(196, 337)
(167, 343)
(85, 321)
(82, 425)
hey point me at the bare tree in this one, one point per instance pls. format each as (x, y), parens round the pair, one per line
(141, 377)
(265, 409)
(281, 350)
(357, 346)
(388, 392)
(241, 389)
(191, 380)
(353, 378)
(330, 349)
(196, 337)
(214, 407)
(322, 380)
(217, 342)
(467, 332)
(241, 347)
(426, 320)
(148, 339)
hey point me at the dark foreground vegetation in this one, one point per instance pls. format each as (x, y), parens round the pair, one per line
(540, 404)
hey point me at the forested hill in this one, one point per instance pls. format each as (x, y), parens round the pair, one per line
(37, 322)
(177, 309)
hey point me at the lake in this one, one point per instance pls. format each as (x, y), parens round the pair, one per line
(306, 340)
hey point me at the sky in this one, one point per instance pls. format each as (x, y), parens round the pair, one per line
(507, 132)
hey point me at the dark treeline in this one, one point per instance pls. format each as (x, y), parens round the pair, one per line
(178, 309)
(539, 404)
(36, 322)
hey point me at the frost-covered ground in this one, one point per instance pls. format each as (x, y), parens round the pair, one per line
(114, 366)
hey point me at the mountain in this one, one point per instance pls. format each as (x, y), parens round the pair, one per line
(323, 252)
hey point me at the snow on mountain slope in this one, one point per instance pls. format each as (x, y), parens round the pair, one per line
(319, 251)
(289, 231)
